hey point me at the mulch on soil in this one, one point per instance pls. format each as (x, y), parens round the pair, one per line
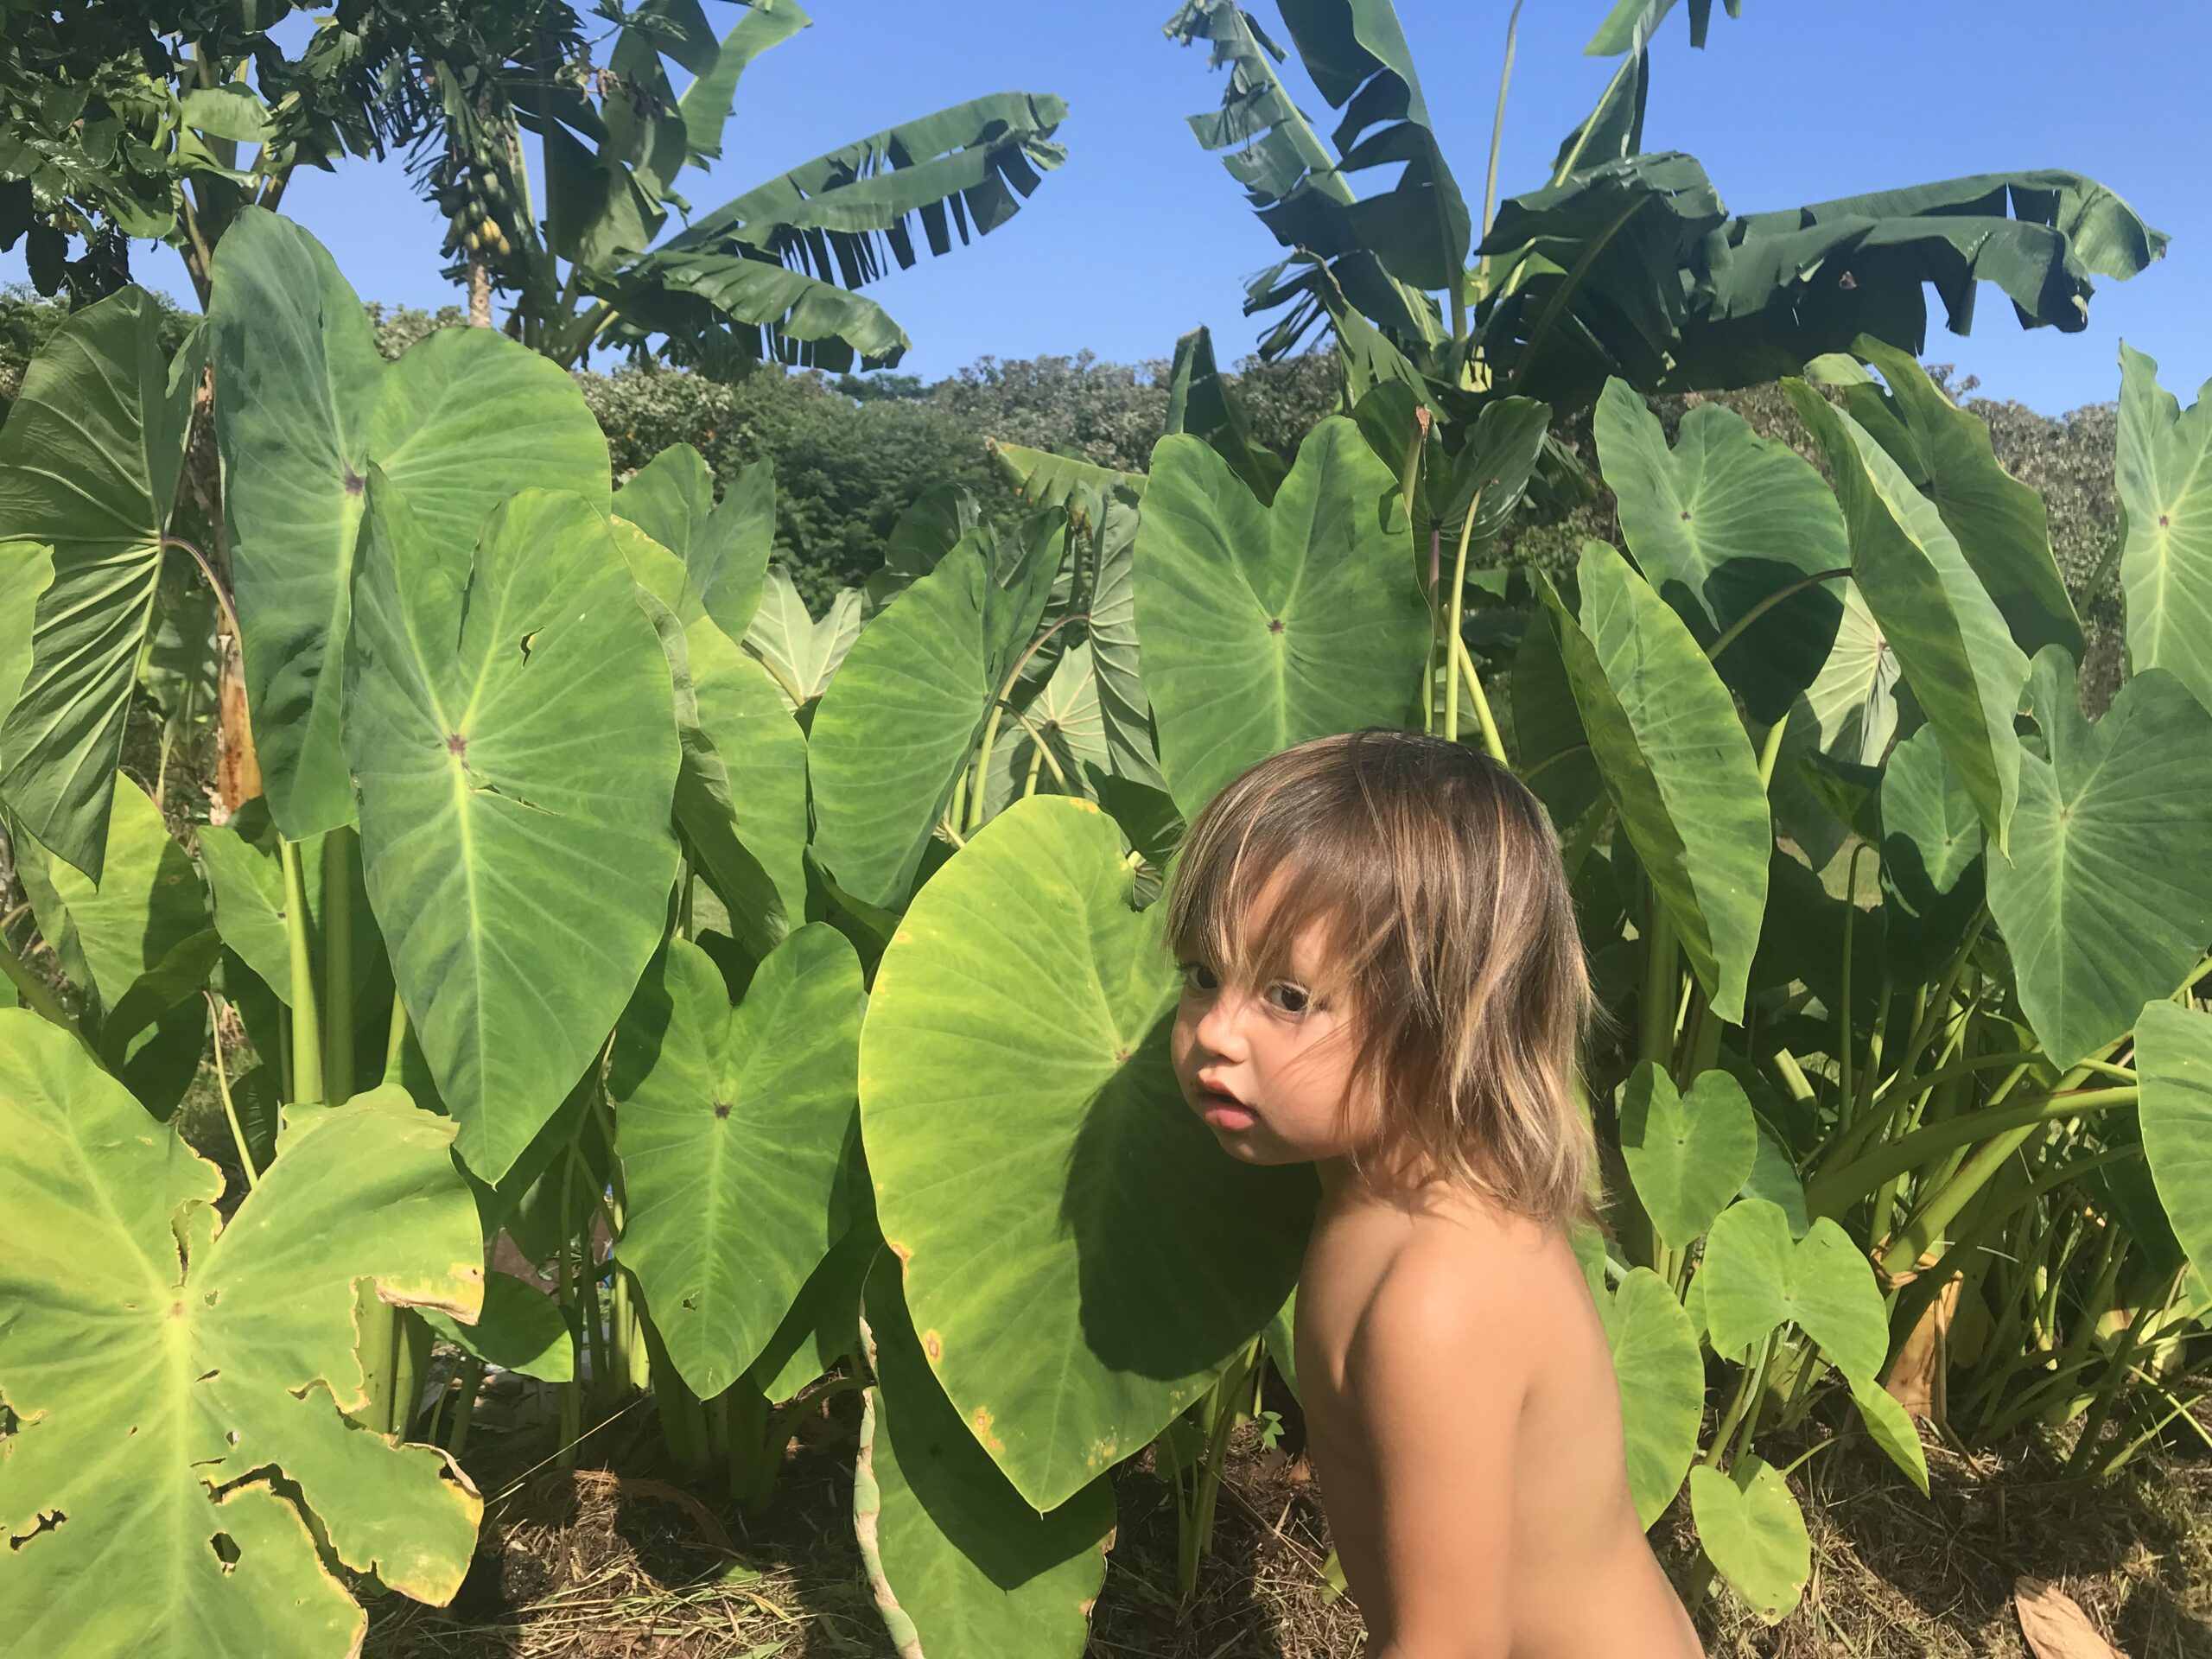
(594, 1564)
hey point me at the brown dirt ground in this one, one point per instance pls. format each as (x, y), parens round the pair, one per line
(592, 1565)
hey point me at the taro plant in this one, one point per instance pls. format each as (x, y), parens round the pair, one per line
(816, 965)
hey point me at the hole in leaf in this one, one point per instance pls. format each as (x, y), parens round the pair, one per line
(207, 1376)
(48, 1520)
(226, 1548)
(230, 1437)
(524, 643)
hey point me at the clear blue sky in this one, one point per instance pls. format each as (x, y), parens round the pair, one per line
(1142, 234)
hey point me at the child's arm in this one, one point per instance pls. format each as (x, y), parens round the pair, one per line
(1438, 1382)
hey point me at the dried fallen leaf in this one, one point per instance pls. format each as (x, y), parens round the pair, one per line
(2054, 1624)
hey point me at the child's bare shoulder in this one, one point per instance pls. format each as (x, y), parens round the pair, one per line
(1468, 1274)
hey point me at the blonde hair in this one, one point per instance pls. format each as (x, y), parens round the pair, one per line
(1438, 879)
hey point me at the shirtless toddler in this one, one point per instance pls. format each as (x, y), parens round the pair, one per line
(1381, 977)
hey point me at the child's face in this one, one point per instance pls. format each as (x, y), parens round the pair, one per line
(1267, 1067)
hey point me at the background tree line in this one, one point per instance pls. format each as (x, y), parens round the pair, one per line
(851, 452)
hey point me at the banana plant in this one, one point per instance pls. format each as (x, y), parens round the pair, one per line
(1623, 263)
(772, 273)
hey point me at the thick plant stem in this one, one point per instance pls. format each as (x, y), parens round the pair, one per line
(1492, 742)
(754, 1457)
(307, 1032)
(565, 1291)
(410, 1347)
(1655, 1012)
(1450, 620)
(1835, 1192)
(395, 1042)
(338, 963)
(1223, 1406)
(464, 1408)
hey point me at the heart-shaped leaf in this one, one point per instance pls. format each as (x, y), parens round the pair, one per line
(1757, 1279)
(2106, 900)
(724, 548)
(731, 1124)
(88, 468)
(154, 1354)
(1081, 1258)
(1662, 1378)
(962, 1567)
(800, 652)
(304, 406)
(511, 728)
(1950, 638)
(2163, 478)
(1676, 762)
(148, 900)
(1264, 626)
(1724, 522)
(1687, 1154)
(1754, 1532)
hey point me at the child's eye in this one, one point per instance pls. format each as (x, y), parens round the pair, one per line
(1291, 998)
(1197, 976)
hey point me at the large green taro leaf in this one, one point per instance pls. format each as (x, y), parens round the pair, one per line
(902, 720)
(162, 1397)
(2001, 525)
(1722, 522)
(1758, 1278)
(1676, 762)
(1662, 1381)
(511, 728)
(800, 652)
(1950, 639)
(2107, 896)
(88, 468)
(304, 406)
(1687, 1154)
(1752, 1528)
(2173, 1058)
(1264, 626)
(2164, 481)
(961, 1566)
(731, 1124)
(1081, 1258)
(724, 548)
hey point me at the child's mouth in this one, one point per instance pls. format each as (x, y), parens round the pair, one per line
(1222, 1110)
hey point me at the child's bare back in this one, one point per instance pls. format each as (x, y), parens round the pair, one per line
(1465, 1427)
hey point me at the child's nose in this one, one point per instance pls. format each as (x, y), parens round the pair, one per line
(1221, 1028)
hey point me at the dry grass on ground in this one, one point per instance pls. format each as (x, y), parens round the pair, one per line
(592, 1565)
